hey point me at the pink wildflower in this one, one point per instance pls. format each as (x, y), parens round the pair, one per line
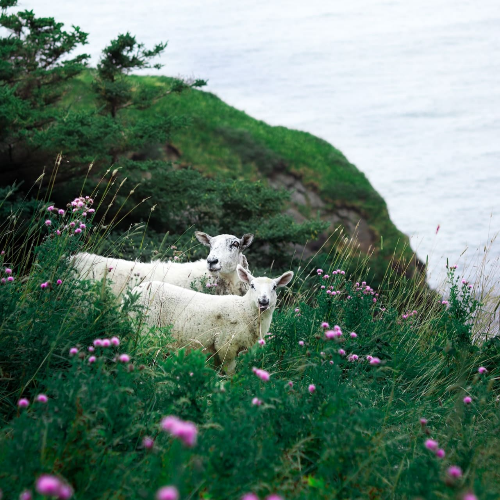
(297, 310)
(78, 230)
(42, 398)
(290, 383)
(353, 335)
(374, 300)
(23, 403)
(423, 421)
(92, 359)
(98, 342)
(115, 341)
(432, 445)
(319, 271)
(48, 485)
(73, 351)
(482, 370)
(91, 211)
(301, 343)
(375, 361)
(58, 232)
(83, 226)
(48, 222)
(325, 277)
(249, 496)
(322, 287)
(124, 358)
(91, 348)
(72, 224)
(8, 270)
(59, 282)
(262, 342)
(469, 496)
(65, 492)
(256, 402)
(369, 358)
(454, 471)
(325, 325)
(353, 357)
(43, 285)
(3, 281)
(467, 400)
(49, 209)
(60, 211)
(440, 453)
(25, 495)
(331, 362)
(342, 352)
(106, 342)
(148, 442)
(185, 431)
(274, 497)
(262, 374)
(311, 388)
(167, 493)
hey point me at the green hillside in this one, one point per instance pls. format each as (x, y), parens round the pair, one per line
(221, 141)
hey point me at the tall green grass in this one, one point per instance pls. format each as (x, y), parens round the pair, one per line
(326, 425)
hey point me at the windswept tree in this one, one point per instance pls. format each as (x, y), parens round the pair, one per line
(34, 69)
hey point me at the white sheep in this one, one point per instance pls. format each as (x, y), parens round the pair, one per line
(218, 269)
(220, 325)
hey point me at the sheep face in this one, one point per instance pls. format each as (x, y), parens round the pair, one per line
(225, 251)
(263, 290)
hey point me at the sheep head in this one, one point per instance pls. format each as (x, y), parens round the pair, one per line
(263, 290)
(225, 251)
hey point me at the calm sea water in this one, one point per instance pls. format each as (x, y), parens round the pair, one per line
(408, 91)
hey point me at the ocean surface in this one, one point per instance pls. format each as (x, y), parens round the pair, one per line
(408, 91)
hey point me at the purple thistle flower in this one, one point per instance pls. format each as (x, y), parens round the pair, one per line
(454, 471)
(48, 222)
(42, 398)
(23, 403)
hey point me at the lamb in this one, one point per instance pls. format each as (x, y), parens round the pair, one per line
(220, 325)
(219, 268)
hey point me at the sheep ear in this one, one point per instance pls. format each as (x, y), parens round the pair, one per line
(243, 274)
(284, 279)
(243, 261)
(203, 238)
(246, 241)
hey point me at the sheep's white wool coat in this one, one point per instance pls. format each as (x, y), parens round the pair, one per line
(222, 325)
(124, 274)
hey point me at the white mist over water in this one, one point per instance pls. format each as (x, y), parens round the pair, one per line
(408, 91)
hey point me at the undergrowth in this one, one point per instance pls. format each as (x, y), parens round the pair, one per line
(370, 393)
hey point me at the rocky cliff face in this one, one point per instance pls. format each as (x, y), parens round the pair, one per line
(305, 201)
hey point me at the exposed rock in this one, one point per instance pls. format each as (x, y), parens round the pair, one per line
(306, 197)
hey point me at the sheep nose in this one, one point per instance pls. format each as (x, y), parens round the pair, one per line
(264, 301)
(212, 261)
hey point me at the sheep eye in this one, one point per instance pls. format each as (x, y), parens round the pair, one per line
(235, 244)
(274, 287)
(253, 286)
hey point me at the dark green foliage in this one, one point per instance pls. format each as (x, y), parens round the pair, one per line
(185, 201)
(34, 68)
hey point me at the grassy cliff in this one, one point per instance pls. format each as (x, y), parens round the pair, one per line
(221, 141)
